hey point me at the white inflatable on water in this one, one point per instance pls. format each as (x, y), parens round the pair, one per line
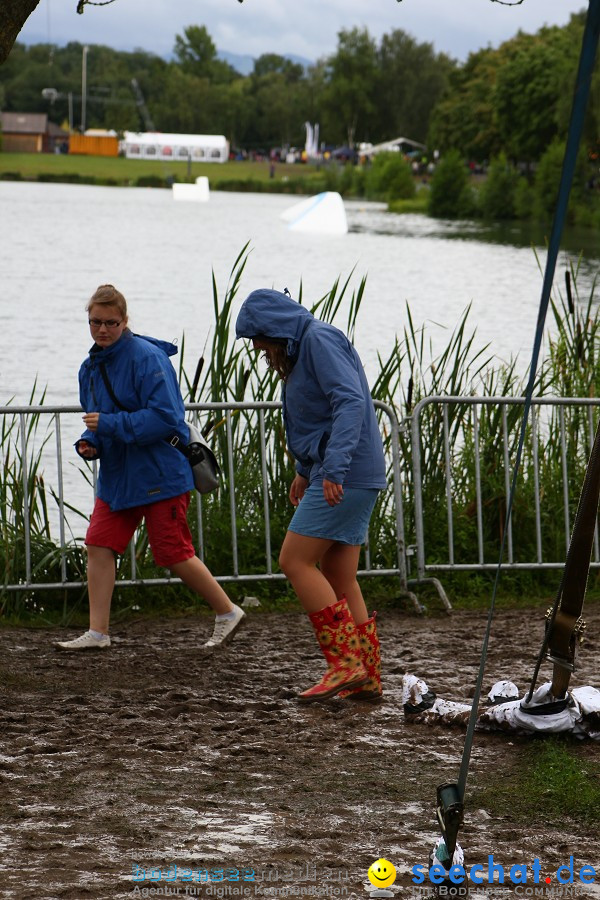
(199, 192)
(322, 214)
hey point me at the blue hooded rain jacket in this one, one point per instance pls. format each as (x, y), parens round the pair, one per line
(329, 416)
(137, 465)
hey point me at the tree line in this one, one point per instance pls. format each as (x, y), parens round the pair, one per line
(513, 100)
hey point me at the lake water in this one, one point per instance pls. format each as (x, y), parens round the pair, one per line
(59, 242)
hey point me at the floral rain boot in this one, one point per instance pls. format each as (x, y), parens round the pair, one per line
(370, 655)
(339, 642)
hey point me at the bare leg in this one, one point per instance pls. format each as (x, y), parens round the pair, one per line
(196, 576)
(298, 559)
(339, 566)
(101, 581)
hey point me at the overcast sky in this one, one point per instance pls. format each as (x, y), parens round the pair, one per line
(307, 28)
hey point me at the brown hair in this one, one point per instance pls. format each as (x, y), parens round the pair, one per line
(108, 295)
(276, 356)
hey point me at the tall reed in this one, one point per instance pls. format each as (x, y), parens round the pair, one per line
(229, 371)
(24, 509)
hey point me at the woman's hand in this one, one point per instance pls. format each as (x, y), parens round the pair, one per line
(297, 489)
(88, 451)
(332, 492)
(91, 421)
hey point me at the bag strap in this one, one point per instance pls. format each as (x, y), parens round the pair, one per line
(174, 439)
(108, 387)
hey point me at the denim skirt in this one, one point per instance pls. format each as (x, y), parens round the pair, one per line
(346, 522)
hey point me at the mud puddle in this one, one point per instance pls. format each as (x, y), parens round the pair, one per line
(122, 772)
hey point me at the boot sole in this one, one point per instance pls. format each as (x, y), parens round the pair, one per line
(325, 695)
(365, 697)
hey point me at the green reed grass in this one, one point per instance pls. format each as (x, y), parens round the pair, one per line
(25, 497)
(230, 371)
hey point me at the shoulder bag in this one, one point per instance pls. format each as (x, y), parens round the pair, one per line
(205, 468)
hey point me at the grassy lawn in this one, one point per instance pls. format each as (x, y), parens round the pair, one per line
(547, 774)
(127, 171)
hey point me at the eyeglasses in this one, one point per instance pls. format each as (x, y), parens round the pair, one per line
(110, 323)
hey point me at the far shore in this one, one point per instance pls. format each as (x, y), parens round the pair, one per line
(245, 176)
(121, 171)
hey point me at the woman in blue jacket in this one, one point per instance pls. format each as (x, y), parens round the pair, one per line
(333, 434)
(129, 390)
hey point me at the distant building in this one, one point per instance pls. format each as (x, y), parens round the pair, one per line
(95, 142)
(178, 147)
(31, 133)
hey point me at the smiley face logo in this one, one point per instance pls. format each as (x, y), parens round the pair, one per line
(382, 873)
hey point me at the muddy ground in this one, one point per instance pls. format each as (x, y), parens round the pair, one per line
(157, 754)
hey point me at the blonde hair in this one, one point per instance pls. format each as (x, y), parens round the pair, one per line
(108, 295)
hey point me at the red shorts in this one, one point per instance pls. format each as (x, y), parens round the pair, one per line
(166, 523)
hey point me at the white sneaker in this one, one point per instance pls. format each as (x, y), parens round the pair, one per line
(86, 641)
(225, 629)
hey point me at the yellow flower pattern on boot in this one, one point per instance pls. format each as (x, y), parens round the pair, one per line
(370, 656)
(339, 642)
(325, 638)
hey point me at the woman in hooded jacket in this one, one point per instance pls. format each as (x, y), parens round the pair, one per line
(133, 404)
(332, 432)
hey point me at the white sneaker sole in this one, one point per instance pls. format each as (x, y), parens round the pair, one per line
(229, 637)
(64, 646)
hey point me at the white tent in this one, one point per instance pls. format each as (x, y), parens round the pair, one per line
(176, 147)
(398, 144)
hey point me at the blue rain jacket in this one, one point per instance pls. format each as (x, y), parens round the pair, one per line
(329, 416)
(137, 465)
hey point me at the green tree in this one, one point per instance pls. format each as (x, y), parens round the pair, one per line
(412, 80)
(497, 193)
(547, 180)
(192, 105)
(536, 71)
(196, 53)
(273, 64)
(390, 178)
(110, 99)
(278, 94)
(315, 85)
(237, 112)
(524, 199)
(464, 119)
(352, 82)
(450, 194)
(25, 77)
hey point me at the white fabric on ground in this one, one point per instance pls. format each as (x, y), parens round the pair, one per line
(581, 717)
(503, 690)
(413, 690)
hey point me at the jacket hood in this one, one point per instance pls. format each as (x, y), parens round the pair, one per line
(167, 347)
(275, 315)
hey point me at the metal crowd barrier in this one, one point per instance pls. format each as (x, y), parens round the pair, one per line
(61, 425)
(547, 422)
(41, 448)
